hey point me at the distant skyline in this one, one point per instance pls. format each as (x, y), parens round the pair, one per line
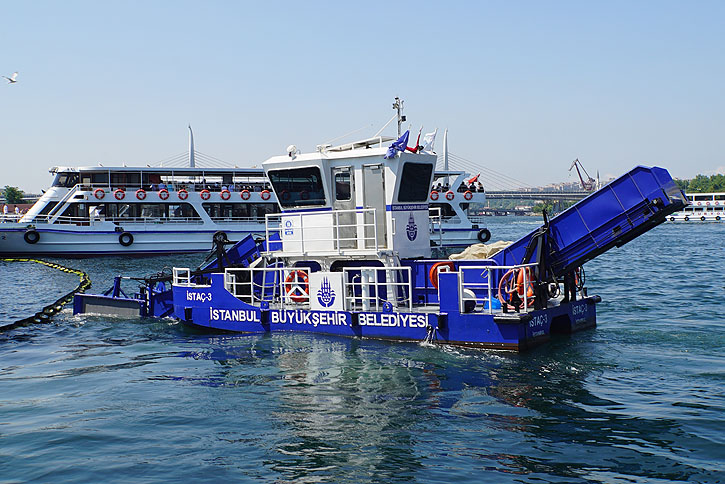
(523, 87)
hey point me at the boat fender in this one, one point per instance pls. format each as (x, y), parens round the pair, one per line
(265, 194)
(717, 217)
(204, 194)
(297, 286)
(687, 218)
(119, 194)
(183, 194)
(245, 194)
(484, 235)
(450, 195)
(140, 194)
(125, 239)
(702, 218)
(468, 195)
(99, 193)
(469, 301)
(31, 236)
(164, 194)
(225, 194)
(672, 219)
(434, 195)
(445, 266)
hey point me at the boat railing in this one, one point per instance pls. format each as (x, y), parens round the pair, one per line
(130, 188)
(377, 288)
(283, 286)
(182, 277)
(330, 232)
(475, 284)
(435, 220)
(10, 217)
(100, 219)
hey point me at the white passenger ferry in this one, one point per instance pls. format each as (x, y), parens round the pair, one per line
(704, 207)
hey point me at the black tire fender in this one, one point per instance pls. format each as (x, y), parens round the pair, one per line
(31, 236)
(484, 235)
(125, 239)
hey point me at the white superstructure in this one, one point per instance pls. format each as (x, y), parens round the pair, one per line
(704, 207)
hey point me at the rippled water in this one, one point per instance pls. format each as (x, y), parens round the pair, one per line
(639, 399)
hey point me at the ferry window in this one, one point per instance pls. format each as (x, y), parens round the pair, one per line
(446, 210)
(181, 210)
(298, 187)
(67, 180)
(48, 208)
(342, 186)
(699, 209)
(99, 178)
(415, 182)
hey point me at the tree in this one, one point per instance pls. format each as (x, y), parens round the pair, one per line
(13, 194)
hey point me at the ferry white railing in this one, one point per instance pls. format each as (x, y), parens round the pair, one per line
(435, 220)
(304, 233)
(284, 286)
(366, 291)
(485, 273)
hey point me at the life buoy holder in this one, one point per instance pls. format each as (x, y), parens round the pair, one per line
(245, 194)
(513, 282)
(484, 235)
(468, 195)
(205, 194)
(183, 194)
(141, 194)
(297, 286)
(99, 193)
(434, 195)
(119, 194)
(225, 194)
(450, 195)
(125, 239)
(265, 195)
(31, 236)
(437, 268)
(164, 194)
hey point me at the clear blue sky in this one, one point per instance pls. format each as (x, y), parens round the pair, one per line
(524, 87)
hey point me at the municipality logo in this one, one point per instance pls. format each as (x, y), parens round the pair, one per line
(411, 229)
(326, 296)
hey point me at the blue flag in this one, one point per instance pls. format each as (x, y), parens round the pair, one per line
(399, 145)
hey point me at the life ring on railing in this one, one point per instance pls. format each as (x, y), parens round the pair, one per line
(450, 195)
(140, 194)
(119, 194)
(164, 194)
(31, 236)
(513, 283)
(699, 203)
(484, 235)
(99, 193)
(434, 195)
(297, 286)
(205, 194)
(304, 195)
(245, 194)
(265, 195)
(468, 195)
(125, 239)
(285, 195)
(225, 194)
(183, 194)
(436, 268)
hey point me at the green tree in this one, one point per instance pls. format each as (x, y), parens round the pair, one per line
(13, 194)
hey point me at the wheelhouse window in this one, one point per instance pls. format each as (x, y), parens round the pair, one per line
(298, 187)
(415, 182)
(67, 180)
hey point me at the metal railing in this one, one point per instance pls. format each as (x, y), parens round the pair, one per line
(435, 221)
(366, 291)
(307, 233)
(182, 277)
(285, 286)
(485, 274)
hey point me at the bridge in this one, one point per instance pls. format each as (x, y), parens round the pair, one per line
(556, 196)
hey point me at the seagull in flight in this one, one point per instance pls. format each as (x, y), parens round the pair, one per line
(12, 79)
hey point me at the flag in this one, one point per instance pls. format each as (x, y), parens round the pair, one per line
(417, 143)
(398, 145)
(428, 140)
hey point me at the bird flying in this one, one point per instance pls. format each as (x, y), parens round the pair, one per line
(12, 79)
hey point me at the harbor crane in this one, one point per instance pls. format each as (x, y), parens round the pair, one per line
(590, 184)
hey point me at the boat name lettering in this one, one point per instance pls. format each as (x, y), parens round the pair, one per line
(394, 320)
(198, 296)
(242, 315)
(313, 318)
(539, 320)
(579, 310)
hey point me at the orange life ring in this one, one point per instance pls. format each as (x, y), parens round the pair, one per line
(513, 281)
(204, 194)
(265, 195)
(245, 194)
(183, 194)
(434, 195)
(225, 194)
(140, 194)
(450, 195)
(99, 193)
(163, 194)
(468, 195)
(119, 194)
(699, 203)
(297, 286)
(436, 268)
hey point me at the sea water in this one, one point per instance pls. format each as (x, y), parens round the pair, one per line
(639, 399)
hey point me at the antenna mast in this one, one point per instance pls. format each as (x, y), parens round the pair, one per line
(398, 106)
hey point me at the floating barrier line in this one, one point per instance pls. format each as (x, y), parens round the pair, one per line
(45, 314)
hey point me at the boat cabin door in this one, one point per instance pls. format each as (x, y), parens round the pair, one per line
(374, 197)
(344, 199)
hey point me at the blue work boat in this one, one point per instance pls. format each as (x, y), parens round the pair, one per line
(350, 255)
